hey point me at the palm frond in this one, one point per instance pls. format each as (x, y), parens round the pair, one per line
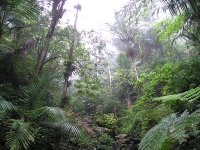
(176, 7)
(190, 9)
(20, 136)
(52, 114)
(14, 13)
(66, 127)
(34, 95)
(169, 130)
(28, 9)
(189, 29)
(58, 118)
(6, 106)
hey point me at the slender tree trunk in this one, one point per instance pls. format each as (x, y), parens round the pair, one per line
(57, 12)
(115, 112)
(97, 53)
(65, 88)
(128, 99)
(69, 65)
(1, 27)
(142, 55)
(110, 80)
(57, 140)
(111, 95)
(135, 69)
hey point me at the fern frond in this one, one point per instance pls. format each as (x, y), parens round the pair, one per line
(158, 135)
(189, 99)
(169, 130)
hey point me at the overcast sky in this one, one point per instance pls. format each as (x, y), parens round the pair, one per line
(94, 13)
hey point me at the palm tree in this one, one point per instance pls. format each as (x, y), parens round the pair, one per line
(125, 41)
(179, 6)
(175, 7)
(69, 66)
(190, 9)
(33, 114)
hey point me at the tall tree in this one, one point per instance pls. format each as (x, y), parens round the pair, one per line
(70, 62)
(126, 32)
(57, 13)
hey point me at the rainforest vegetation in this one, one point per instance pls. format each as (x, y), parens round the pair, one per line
(62, 89)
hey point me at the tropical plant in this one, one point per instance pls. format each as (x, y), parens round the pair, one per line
(34, 114)
(189, 10)
(170, 130)
(15, 16)
(6, 106)
(177, 6)
(107, 120)
(56, 13)
(123, 62)
(179, 102)
(105, 142)
(14, 13)
(125, 41)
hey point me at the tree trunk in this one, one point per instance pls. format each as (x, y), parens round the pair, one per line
(128, 99)
(57, 12)
(135, 69)
(69, 65)
(64, 98)
(115, 112)
(1, 28)
(110, 79)
(57, 140)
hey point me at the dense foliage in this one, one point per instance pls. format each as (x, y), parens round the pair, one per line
(61, 88)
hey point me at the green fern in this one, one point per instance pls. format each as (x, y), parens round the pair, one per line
(170, 130)
(189, 100)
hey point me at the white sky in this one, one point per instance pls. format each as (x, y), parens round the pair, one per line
(94, 13)
(94, 16)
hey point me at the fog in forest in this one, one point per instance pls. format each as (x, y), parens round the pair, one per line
(99, 75)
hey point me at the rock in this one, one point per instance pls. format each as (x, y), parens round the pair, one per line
(88, 119)
(101, 130)
(121, 136)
